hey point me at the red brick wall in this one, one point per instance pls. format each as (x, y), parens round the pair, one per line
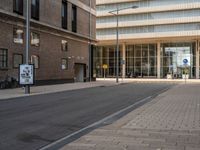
(49, 51)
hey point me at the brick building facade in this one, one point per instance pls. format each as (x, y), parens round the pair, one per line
(61, 33)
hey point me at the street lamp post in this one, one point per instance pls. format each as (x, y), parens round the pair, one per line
(116, 13)
(27, 87)
(90, 51)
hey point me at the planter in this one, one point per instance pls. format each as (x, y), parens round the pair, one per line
(169, 76)
(185, 76)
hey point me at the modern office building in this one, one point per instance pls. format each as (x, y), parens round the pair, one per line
(157, 39)
(62, 32)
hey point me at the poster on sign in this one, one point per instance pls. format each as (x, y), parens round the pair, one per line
(26, 74)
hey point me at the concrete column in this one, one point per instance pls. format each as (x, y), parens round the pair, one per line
(124, 60)
(158, 60)
(197, 59)
(107, 61)
(101, 61)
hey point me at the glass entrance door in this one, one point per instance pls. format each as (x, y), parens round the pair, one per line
(173, 57)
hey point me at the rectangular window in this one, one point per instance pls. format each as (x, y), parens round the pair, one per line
(35, 39)
(74, 18)
(35, 8)
(35, 61)
(18, 35)
(64, 15)
(17, 60)
(64, 45)
(3, 58)
(18, 6)
(64, 64)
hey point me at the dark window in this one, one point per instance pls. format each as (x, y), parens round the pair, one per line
(18, 35)
(64, 64)
(35, 7)
(3, 58)
(18, 6)
(17, 60)
(64, 45)
(64, 14)
(74, 18)
(35, 39)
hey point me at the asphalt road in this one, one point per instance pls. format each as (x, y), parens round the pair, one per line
(30, 123)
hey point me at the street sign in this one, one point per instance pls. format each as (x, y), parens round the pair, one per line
(105, 66)
(26, 74)
(185, 61)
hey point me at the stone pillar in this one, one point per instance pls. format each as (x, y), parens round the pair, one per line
(124, 60)
(158, 60)
(197, 59)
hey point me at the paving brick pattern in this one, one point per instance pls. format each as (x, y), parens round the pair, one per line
(170, 122)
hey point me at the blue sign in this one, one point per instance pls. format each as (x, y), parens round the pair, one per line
(122, 62)
(185, 61)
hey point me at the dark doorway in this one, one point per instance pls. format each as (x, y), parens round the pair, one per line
(80, 72)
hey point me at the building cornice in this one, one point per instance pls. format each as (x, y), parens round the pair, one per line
(140, 36)
(102, 2)
(148, 22)
(139, 10)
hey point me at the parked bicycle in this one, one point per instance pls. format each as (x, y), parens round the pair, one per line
(8, 82)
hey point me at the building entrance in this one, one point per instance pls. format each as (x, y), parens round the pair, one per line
(177, 60)
(80, 72)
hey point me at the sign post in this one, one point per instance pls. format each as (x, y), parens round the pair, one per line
(185, 63)
(105, 66)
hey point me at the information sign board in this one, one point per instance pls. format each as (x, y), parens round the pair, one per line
(26, 74)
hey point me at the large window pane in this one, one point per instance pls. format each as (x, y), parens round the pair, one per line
(138, 50)
(64, 15)
(35, 8)
(74, 18)
(3, 58)
(18, 6)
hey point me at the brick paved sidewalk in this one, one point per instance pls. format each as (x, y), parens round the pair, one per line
(169, 122)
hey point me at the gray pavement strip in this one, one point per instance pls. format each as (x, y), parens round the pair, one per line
(105, 121)
(37, 90)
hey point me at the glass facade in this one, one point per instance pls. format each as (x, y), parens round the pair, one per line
(157, 16)
(141, 60)
(106, 55)
(160, 38)
(172, 57)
